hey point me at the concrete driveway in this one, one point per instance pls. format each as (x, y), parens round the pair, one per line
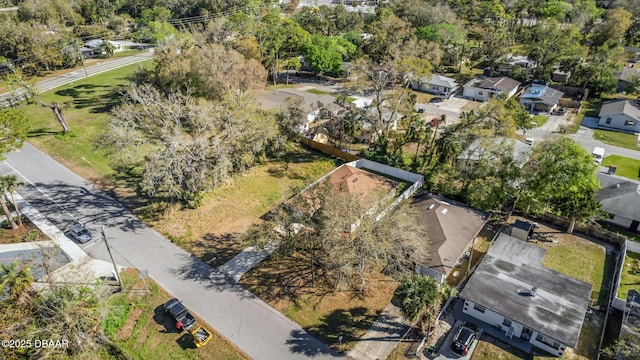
(445, 352)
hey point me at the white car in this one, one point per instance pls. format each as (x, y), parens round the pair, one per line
(80, 233)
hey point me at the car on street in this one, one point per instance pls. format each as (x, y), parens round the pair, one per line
(80, 233)
(465, 336)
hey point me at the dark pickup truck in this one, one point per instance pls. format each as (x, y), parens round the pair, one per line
(184, 320)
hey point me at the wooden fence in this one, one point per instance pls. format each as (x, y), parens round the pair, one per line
(328, 149)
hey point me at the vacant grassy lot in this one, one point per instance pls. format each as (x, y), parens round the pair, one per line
(209, 231)
(286, 285)
(139, 326)
(628, 141)
(88, 105)
(627, 167)
(630, 278)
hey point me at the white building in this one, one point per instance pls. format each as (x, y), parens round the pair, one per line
(483, 88)
(621, 115)
(512, 291)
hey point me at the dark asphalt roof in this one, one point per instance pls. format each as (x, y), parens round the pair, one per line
(449, 232)
(619, 195)
(511, 269)
(502, 83)
(36, 259)
(617, 107)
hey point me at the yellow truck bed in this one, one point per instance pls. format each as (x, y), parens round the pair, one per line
(201, 336)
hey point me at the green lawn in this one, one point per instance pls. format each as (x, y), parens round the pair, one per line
(627, 167)
(581, 260)
(318, 92)
(628, 141)
(88, 104)
(630, 278)
(539, 119)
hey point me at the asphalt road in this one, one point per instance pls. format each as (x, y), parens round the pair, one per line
(65, 198)
(70, 77)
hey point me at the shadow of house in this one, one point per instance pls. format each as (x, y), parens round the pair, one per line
(512, 291)
(451, 229)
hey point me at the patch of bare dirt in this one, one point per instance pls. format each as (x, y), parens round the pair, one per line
(128, 326)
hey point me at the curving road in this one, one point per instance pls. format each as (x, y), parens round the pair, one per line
(70, 77)
(65, 198)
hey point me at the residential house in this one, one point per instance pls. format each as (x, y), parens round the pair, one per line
(560, 76)
(626, 77)
(451, 229)
(375, 185)
(623, 115)
(512, 291)
(485, 150)
(96, 44)
(315, 106)
(437, 84)
(540, 97)
(620, 198)
(483, 88)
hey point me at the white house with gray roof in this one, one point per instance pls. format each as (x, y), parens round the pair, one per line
(620, 198)
(512, 291)
(484, 88)
(623, 115)
(436, 84)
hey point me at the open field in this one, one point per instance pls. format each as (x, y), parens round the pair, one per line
(286, 285)
(142, 330)
(630, 278)
(616, 138)
(626, 167)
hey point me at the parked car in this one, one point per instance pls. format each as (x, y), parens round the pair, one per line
(184, 319)
(80, 233)
(464, 338)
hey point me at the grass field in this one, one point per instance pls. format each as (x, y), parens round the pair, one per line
(630, 278)
(489, 348)
(89, 104)
(144, 331)
(628, 141)
(626, 167)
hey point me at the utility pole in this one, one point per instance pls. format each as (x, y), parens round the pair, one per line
(115, 268)
(470, 257)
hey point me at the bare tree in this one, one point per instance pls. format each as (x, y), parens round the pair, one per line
(57, 111)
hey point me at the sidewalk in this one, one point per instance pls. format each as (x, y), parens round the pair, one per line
(382, 337)
(246, 260)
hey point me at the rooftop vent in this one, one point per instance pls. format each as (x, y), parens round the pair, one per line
(444, 211)
(431, 206)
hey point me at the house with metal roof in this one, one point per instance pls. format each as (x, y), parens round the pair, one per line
(512, 291)
(436, 84)
(622, 115)
(540, 97)
(620, 198)
(451, 229)
(482, 88)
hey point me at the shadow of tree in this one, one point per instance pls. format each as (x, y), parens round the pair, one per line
(217, 250)
(302, 342)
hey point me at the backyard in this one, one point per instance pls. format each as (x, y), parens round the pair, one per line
(630, 278)
(627, 167)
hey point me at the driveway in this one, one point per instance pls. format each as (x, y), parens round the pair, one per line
(255, 327)
(445, 352)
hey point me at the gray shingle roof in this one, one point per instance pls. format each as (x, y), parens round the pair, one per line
(509, 271)
(543, 94)
(619, 195)
(617, 107)
(627, 73)
(485, 148)
(503, 83)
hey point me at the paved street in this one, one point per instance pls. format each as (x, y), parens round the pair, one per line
(251, 324)
(70, 77)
